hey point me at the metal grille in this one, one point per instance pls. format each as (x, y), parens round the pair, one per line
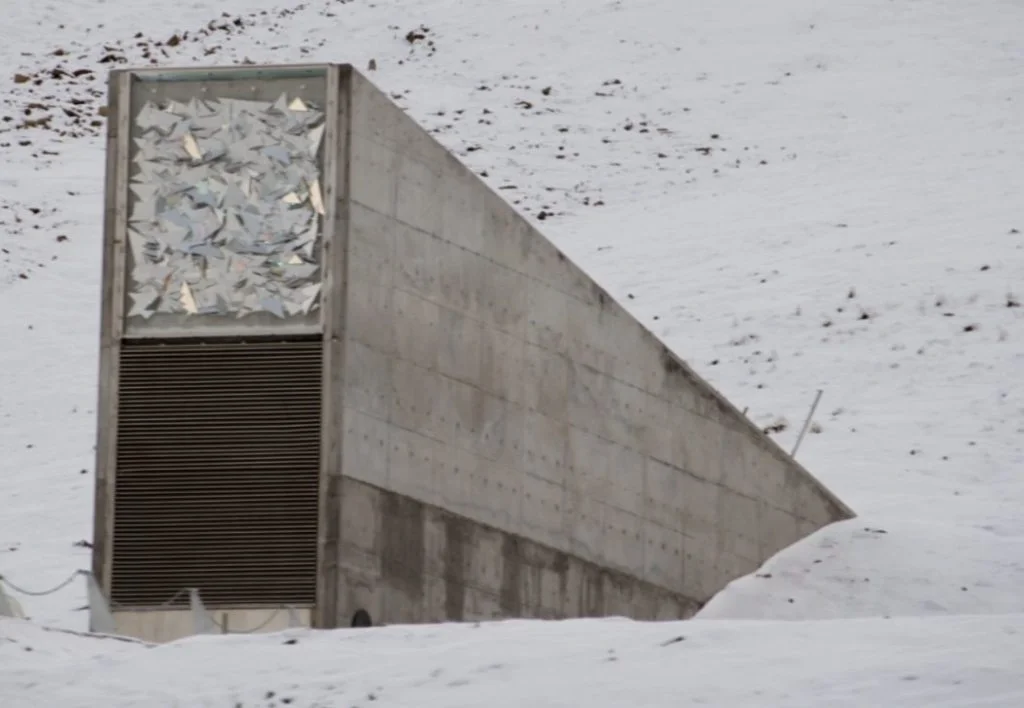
(218, 451)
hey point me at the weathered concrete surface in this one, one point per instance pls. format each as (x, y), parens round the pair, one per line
(168, 625)
(486, 375)
(404, 561)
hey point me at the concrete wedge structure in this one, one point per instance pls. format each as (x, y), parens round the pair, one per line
(417, 409)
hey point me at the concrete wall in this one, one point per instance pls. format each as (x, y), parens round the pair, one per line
(404, 561)
(160, 626)
(487, 375)
(167, 625)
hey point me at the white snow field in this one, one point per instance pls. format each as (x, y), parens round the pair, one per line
(795, 195)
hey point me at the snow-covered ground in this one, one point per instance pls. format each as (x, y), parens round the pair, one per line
(841, 663)
(794, 195)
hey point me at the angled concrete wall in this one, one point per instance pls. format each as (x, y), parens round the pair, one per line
(487, 376)
(406, 562)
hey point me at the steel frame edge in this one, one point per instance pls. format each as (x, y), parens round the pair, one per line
(333, 332)
(111, 320)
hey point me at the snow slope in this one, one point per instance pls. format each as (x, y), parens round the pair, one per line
(794, 195)
(517, 663)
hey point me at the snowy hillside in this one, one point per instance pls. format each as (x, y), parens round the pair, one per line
(794, 195)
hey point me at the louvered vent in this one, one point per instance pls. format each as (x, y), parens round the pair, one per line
(218, 449)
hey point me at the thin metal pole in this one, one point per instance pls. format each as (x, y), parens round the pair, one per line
(807, 423)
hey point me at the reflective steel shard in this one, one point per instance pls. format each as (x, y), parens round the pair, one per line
(225, 209)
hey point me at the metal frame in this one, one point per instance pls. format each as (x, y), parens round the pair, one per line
(111, 319)
(330, 325)
(332, 312)
(223, 73)
(182, 84)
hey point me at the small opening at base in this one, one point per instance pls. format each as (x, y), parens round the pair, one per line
(361, 619)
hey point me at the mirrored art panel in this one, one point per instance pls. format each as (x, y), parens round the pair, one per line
(226, 208)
